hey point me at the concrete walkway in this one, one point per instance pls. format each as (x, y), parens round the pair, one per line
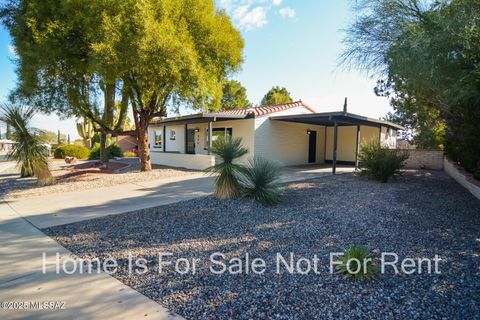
(85, 296)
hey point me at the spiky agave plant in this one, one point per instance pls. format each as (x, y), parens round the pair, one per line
(229, 150)
(258, 181)
(29, 152)
(357, 262)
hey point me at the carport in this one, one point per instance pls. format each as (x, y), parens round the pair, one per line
(339, 119)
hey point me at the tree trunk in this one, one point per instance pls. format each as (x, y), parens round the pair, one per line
(44, 175)
(144, 146)
(108, 119)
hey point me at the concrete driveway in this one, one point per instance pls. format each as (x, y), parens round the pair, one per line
(68, 207)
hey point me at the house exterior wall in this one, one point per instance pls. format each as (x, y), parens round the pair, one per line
(189, 161)
(127, 143)
(175, 149)
(286, 142)
(240, 129)
(346, 139)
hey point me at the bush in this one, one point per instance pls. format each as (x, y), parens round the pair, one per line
(113, 151)
(258, 181)
(357, 262)
(228, 149)
(130, 154)
(71, 150)
(381, 163)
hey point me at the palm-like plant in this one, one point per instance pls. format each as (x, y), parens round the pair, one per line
(258, 181)
(29, 152)
(228, 149)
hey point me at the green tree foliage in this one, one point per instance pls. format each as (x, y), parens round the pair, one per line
(151, 54)
(29, 152)
(234, 95)
(47, 136)
(276, 95)
(424, 125)
(429, 52)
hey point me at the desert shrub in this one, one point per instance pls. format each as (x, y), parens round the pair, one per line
(381, 163)
(129, 154)
(113, 151)
(357, 262)
(228, 149)
(258, 181)
(71, 150)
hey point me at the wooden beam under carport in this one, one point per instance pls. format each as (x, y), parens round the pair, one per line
(357, 147)
(335, 140)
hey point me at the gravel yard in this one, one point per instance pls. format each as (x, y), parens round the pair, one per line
(81, 176)
(418, 215)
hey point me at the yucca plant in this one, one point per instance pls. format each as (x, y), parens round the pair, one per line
(229, 150)
(258, 181)
(357, 262)
(29, 152)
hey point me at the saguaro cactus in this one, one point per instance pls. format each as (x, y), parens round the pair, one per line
(86, 132)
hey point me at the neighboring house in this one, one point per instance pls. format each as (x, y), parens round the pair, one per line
(127, 143)
(6, 145)
(291, 134)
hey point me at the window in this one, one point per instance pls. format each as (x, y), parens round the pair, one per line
(172, 134)
(217, 132)
(158, 139)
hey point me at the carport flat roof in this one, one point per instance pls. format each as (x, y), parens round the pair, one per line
(341, 118)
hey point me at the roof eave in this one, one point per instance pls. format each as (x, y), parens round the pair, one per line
(331, 115)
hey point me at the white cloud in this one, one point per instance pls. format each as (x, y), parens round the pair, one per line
(287, 12)
(252, 14)
(255, 18)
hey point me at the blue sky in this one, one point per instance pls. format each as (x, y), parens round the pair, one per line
(295, 44)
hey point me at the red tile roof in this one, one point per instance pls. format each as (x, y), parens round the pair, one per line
(263, 110)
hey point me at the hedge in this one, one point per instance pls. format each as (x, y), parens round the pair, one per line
(71, 150)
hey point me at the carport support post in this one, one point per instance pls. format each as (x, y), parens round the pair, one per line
(335, 137)
(210, 135)
(357, 147)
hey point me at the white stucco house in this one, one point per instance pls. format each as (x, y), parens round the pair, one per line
(291, 134)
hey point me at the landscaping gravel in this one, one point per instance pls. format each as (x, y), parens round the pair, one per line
(68, 179)
(419, 215)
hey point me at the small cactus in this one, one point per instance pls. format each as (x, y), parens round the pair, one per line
(86, 132)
